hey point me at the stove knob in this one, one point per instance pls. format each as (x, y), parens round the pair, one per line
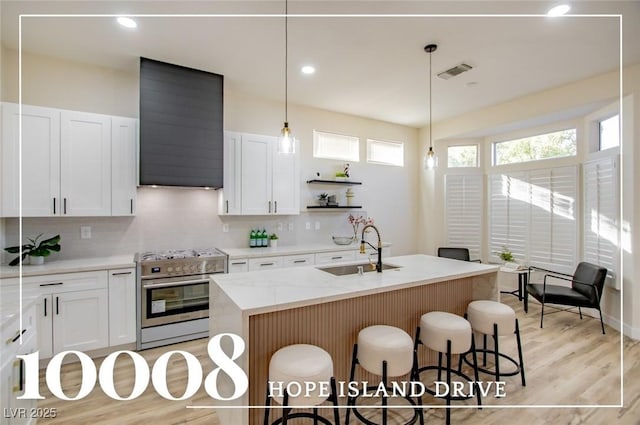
(169, 269)
(178, 269)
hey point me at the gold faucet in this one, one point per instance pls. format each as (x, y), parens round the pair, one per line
(379, 248)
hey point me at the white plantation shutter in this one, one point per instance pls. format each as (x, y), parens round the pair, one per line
(533, 213)
(463, 212)
(601, 211)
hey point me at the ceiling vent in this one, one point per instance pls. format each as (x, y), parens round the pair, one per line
(456, 70)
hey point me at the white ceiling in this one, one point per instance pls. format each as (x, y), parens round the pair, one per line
(371, 66)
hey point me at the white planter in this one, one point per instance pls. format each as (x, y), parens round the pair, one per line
(36, 260)
(273, 243)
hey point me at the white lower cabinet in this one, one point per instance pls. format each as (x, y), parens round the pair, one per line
(122, 306)
(335, 257)
(72, 312)
(238, 265)
(264, 263)
(298, 260)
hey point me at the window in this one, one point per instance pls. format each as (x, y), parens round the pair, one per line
(609, 133)
(389, 153)
(336, 146)
(462, 156)
(534, 214)
(601, 202)
(534, 148)
(463, 205)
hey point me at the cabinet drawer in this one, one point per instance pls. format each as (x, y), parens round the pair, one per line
(298, 260)
(335, 257)
(265, 263)
(67, 282)
(238, 265)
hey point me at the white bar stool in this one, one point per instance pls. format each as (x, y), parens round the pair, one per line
(496, 319)
(448, 334)
(385, 351)
(294, 366)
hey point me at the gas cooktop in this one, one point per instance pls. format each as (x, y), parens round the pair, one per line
(175, 254)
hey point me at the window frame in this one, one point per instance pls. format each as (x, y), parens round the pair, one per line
(385, 142)
(534, 133)
(356, 149)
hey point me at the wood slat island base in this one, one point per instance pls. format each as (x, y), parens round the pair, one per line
(334, 324)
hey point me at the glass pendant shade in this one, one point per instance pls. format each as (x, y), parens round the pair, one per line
(430, 159)
(286, 142)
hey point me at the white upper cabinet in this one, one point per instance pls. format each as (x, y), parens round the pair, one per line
(85, 164)
(124, 165)
(230, 192)
(256, 174)
(40, 161)
(257, 179)
(73, 163)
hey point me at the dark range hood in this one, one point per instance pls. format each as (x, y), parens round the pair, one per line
(181, 136)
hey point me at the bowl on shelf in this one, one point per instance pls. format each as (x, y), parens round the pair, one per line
(342, 240)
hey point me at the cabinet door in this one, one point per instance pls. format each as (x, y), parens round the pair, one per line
(335, 257)
(80, 320)
(256, 174)
(286, 182)
(124, 165)
(238, 265)
(264, 263)
(230, 193)
(44, 325)
(122, 306)
(85, 166)
(40, 161)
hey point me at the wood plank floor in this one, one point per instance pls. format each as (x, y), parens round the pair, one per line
(568, 362)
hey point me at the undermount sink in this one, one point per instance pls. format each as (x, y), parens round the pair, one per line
(353, 268)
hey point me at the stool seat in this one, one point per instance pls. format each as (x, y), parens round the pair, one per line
(301, 363)
(436, 327)
(483, 314)
(380, 343)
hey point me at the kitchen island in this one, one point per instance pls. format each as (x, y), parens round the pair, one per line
(273, 308)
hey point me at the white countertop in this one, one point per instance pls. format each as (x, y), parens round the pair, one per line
(236, 253)
(277, 289)
(69, 266)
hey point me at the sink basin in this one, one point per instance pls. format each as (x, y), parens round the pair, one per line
(353, 268)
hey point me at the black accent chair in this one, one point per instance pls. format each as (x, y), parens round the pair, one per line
(455, 253)
(587, 283)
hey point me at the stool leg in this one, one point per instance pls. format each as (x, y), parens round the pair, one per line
(524, 384)
(484, 353)
(580, 311)
(351, 400)
(414, 369)
(315, 416)
(285, 407)
(267, 408)
(384, 399)
(497, 353)
(448, 397)
(476, 376)
(439, 366)
(334, 398)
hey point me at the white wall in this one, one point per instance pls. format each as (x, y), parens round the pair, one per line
(184, 218)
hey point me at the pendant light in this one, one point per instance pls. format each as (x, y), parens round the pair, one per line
(286, 142)
(430, 158)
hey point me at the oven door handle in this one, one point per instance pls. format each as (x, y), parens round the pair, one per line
(176, 283)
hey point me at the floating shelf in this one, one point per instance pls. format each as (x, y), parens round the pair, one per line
(318, 181)
(333, 207)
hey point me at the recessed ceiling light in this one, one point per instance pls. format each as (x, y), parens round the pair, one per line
(559, 10)
(127, 22)
(308, 69)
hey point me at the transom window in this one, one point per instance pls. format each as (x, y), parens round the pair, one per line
(462, 156)
(336, 146)
(534, 148)
(388, 153)
(609, 133)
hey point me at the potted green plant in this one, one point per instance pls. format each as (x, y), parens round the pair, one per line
(505, 255)
(273, 241)
(323, 199)
(36, 250)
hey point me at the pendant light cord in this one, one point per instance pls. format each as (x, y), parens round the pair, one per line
(430, 108)
(286, 59)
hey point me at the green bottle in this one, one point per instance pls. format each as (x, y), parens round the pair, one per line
(264, 238)
(252, 239)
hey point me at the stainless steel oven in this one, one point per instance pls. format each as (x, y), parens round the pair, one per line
(173, 295)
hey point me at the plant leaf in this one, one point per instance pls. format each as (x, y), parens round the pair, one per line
(51, 241)
(55, 248)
